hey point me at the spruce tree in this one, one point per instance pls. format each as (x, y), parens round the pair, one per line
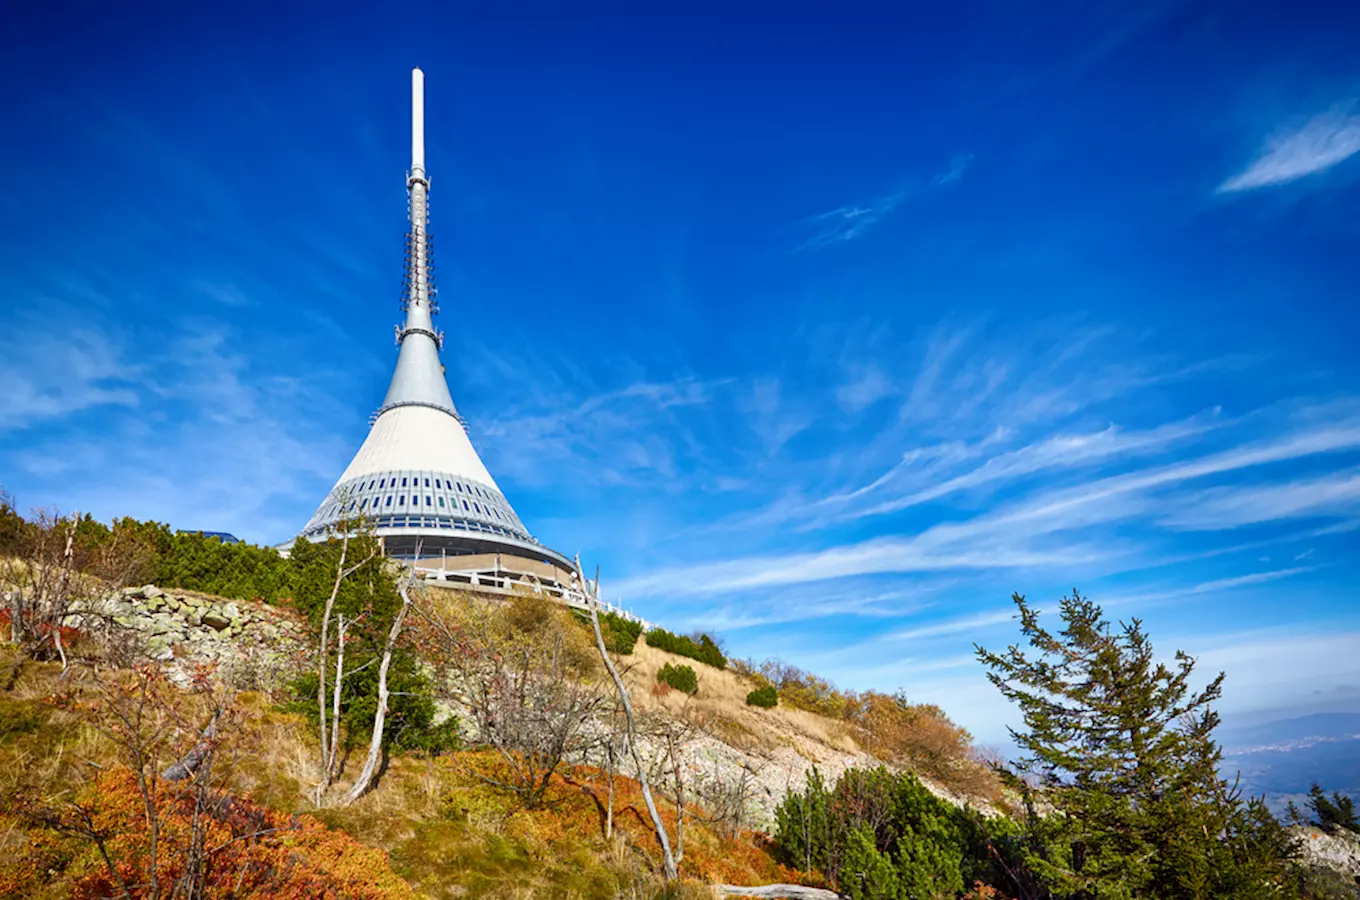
(1118, 750)
(1337, 811)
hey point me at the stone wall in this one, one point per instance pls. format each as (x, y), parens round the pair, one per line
(253, 646)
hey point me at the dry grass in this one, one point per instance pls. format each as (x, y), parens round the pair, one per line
(446, 829)
(721, 705)
(932, 747)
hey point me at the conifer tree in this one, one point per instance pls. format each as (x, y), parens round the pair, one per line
(1337, 811)
(1119, 758)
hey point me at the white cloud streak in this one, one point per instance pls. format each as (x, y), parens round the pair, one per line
(1335, 494)
(1012, 536)
(1223, 584)
(45, 377)
(1322, 142)
(848, 222)
(196, 433)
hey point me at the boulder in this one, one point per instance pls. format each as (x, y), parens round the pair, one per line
(158, 648)
(216, 619)
(150, 592)
(162, 624)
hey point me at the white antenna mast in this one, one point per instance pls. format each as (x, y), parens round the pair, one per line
(417, 123)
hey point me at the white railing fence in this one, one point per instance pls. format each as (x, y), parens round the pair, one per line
(507, 583)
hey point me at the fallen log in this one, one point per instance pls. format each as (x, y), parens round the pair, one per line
(189, 763)
(773, 891)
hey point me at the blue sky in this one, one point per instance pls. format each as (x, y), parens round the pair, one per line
(825, 329)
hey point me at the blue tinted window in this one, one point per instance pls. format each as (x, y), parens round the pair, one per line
(401, 501)
(389, 499)
(465, 506)
(403, 482)
(429, 501)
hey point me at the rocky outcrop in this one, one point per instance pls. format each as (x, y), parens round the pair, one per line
(1331, 858)
(253, 646)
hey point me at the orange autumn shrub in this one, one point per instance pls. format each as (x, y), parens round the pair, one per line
(574, 812)
(248, 850)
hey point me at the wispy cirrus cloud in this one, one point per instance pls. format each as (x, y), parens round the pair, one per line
(46, 376)
(1222, 584)
(1061, 451)
(848, 222)
(1334, 494)
(187, 429)
(1046, 528)
(1322, 142)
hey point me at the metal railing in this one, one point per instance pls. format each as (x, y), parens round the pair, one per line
(510, 584)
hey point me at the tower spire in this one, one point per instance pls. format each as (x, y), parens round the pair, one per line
(417, 480)
(419, 378)
(418, 122)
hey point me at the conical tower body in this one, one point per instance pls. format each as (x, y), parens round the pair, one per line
(417, 480)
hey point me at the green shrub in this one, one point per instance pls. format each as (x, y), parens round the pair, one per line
(242, 571)
(884, 834)
(682, 678)
(766, 697)
(620, 634)
(431, 740)
(410, 713)
(705, 650)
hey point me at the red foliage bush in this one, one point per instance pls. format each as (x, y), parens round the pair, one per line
(249, 851)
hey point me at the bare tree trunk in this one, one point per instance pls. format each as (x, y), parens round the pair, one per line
(335, 699)
(591, 592)
(16, 616)
(56, 642)
(361, 784)
(609, 810)
(331, 739)
(321, 666)
(59, 612)
(193, 760)
(679, 797)
(788, 891)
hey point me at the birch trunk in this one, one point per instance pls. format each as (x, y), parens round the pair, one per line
(609, 812)
(335, 699)
(786, 891)
(321, 667)
(361, 784)
(593, 600)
